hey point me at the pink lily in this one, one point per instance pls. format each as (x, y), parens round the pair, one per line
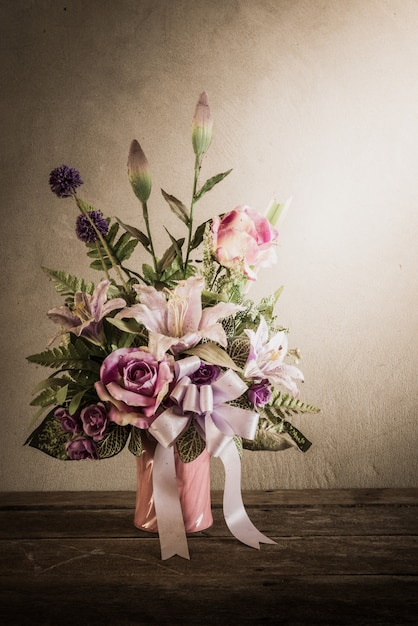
(85, 318)
(175, 319)
(265, 360)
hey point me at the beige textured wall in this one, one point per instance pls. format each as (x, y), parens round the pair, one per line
(315, 99)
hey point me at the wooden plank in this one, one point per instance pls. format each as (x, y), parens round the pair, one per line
(279, 497)
(333, 601)
(213, 558)
(281, 521)
(343, 557)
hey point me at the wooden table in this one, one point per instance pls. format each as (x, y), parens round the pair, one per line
(342, 557)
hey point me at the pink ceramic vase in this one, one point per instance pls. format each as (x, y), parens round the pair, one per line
(193, 482)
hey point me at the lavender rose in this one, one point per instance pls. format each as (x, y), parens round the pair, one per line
(134, 383)
(206, 374)
(95, 421)
(69, 423)
(80, 449)
(259, 393)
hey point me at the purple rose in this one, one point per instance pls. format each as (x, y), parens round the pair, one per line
(95, 421)
(206, 374)
(80, 449)
(134, 384)
(69, 423)
(259, 393)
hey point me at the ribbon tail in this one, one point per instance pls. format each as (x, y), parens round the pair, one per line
(235, 514)
(171, 530)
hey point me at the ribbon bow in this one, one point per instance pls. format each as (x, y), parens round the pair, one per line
(218, 423)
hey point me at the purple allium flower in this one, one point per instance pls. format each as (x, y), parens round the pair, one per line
(85, 230)
(95, 421)
(64, 181)
(259, 393)
(206, 374)
(69, 423)
(80, 449)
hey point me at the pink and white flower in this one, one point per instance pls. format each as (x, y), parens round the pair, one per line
(175, 319)
(266, 359)
(85, 318)
(243, 238)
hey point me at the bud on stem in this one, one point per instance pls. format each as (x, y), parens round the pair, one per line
(139, 172)
(202, 125)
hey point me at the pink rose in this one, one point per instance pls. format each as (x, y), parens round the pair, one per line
(244, 238)
(134, 383)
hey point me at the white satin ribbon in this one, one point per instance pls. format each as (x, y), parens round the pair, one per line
(218, 423)
(167, 505)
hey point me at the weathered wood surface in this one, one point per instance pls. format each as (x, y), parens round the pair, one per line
(342, 557)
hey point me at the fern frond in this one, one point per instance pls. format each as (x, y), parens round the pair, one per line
(67, 284)
(74, 356)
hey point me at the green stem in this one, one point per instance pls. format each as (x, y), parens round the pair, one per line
(197, 166)
(102, 240)
(151, 245)
(102, 260)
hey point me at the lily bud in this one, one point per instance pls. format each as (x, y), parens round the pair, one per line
(276, 212)
(139, 172)
(202, 125)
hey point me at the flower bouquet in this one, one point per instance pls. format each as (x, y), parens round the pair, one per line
(173, 359)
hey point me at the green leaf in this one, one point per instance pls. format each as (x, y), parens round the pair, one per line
(177, 248)
(169, 256)
(297, 437)
(76, 401)
(239, 445)
(61, 394)
(124, 247)
(134, 232)
(113, 443)
(177, 207)
(45, 398)
(127, 326)
(49, 438)
(111, 235)
(266, 439)
(190, 445)
(198, 235)
(283, 404)
(67, 284)
(74, 356)
(149, 274)
(213, 354)
(135, 441)
(210, 183)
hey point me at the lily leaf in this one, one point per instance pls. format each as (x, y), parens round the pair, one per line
(136, 233)
(210, 183)
(177, 207)
(213, 354)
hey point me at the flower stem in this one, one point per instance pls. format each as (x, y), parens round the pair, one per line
(99, 252)
(102, 240)
(197, 166)
(151, 245)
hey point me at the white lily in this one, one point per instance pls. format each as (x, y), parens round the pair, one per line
(175, 319)
(266, 359)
